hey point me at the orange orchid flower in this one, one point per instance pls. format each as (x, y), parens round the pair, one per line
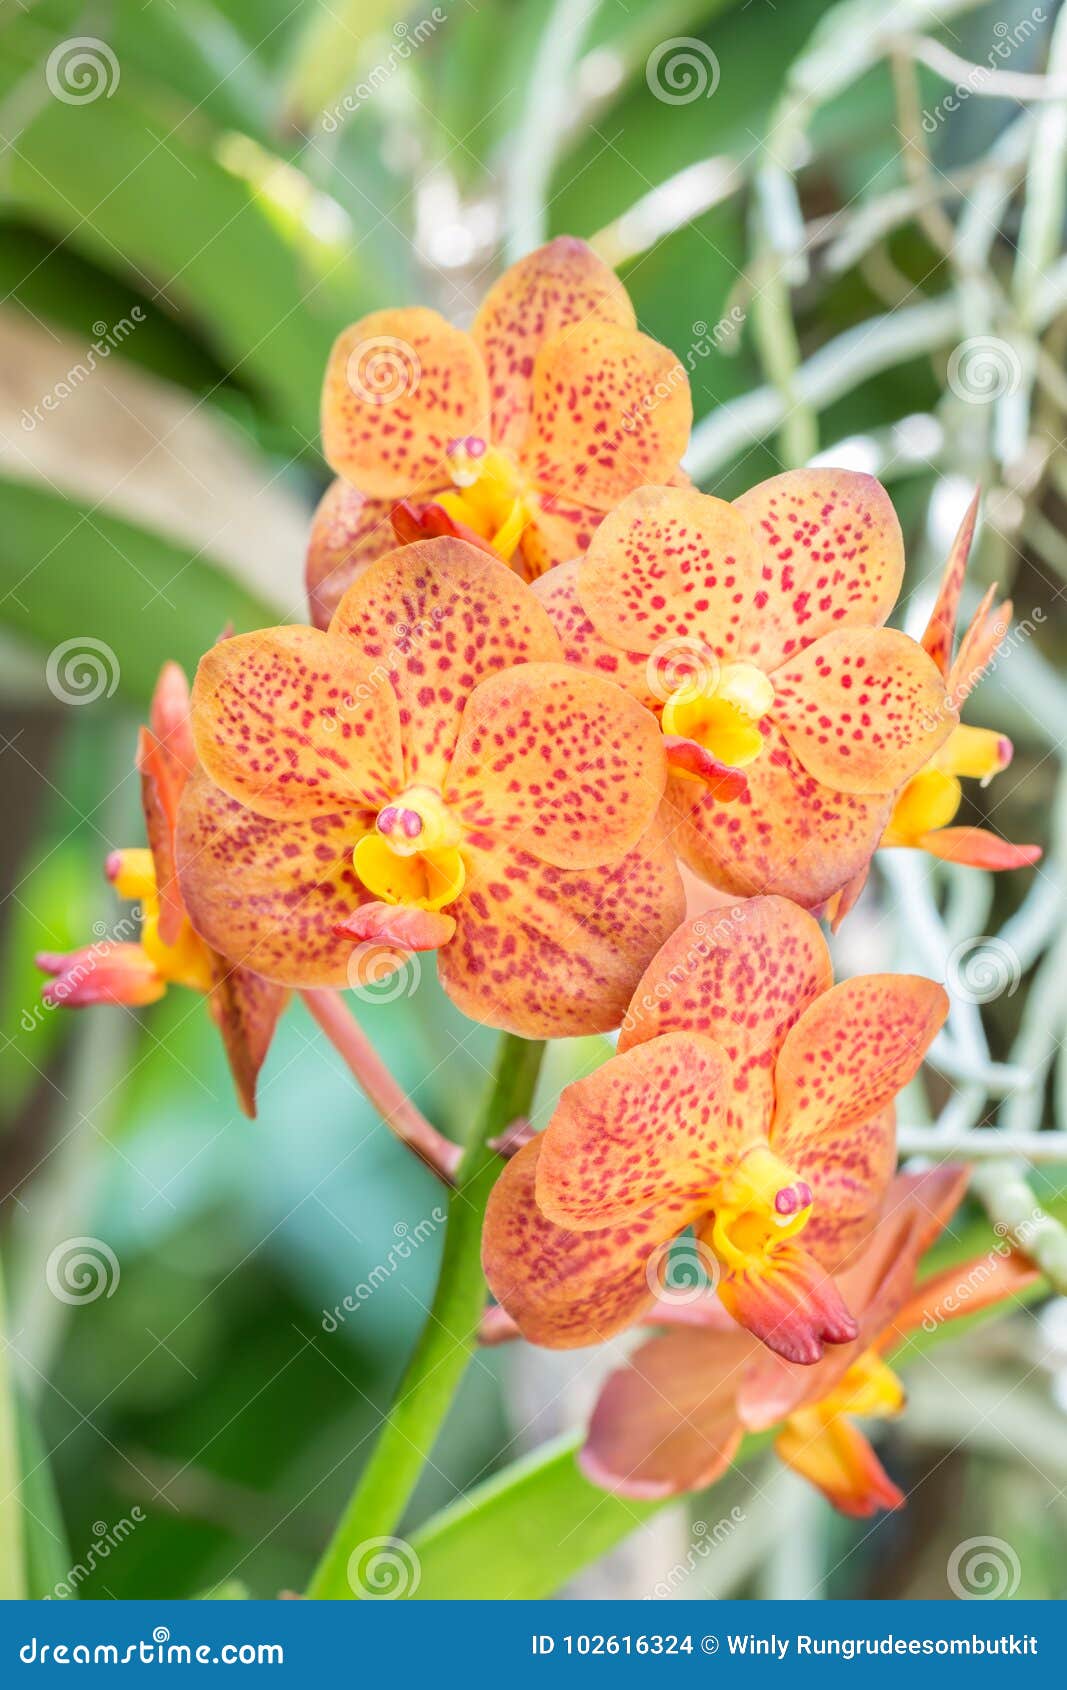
(429, 775)
(673, 1418)
(753, 630)
(750, 1099)
(168, 952)
(524, 432)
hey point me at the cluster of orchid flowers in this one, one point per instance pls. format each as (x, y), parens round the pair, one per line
(544, 676)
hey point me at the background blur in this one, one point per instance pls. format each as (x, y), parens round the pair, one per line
(847, 220)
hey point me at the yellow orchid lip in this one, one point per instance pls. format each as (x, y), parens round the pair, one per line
(489, 496)
(759, 1205)
(722, 713)
(411, 856)
(932, 797)
(185, 962)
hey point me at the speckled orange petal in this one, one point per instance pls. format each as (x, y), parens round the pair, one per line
(399, 386)
(939, 636)
(348, 531)
(667, 1422)
(829, 554)
(978, 647)
(294, 722)
(559, 763)
(436, 618)
(849, 1171)
(863, 709)
(563, 1289)
(838, 1460)
(554, 953)
(848, 1056)
(560, 530)
(269, 894)
(162, 780)
(558, 285)
(963, 1290)
(245, 1008)
(741, 976)
(670, 564)
(978, 848)
(582, 645)
(169, 719)
(610, 411)
(646, 1131)
(785, 834)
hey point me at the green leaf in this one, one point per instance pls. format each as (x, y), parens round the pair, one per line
(48, 1558)
(68, 571)
(12, 1563)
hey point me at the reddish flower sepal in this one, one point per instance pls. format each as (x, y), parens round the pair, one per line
(750, 1099)
(673, 1418)
(245, 1007)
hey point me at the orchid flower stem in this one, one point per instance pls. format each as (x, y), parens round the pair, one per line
(380, 1087)
(448, 1339)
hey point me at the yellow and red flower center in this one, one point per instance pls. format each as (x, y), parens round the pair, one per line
(411, 855)
(722, 712)
(490, 493)
(932, 797)
(186, 962)
(758, 1206)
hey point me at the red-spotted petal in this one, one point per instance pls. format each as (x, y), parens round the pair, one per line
(862, 709)
(245, 1008)
(667, 1422)
(348, 531)
(647, 1131)
(553, 953)
(582, 645)
(785, 834)
(559, 763)
(435, 619)
(560, 530)
(563, 1289)
(560, 284)
(610, 411)
(939, 637)
(269, 894)
(294, 722)
(829, 554)
(399, 386)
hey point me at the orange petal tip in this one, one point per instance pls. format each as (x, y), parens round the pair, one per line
(402, 925)
(791, 1305)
